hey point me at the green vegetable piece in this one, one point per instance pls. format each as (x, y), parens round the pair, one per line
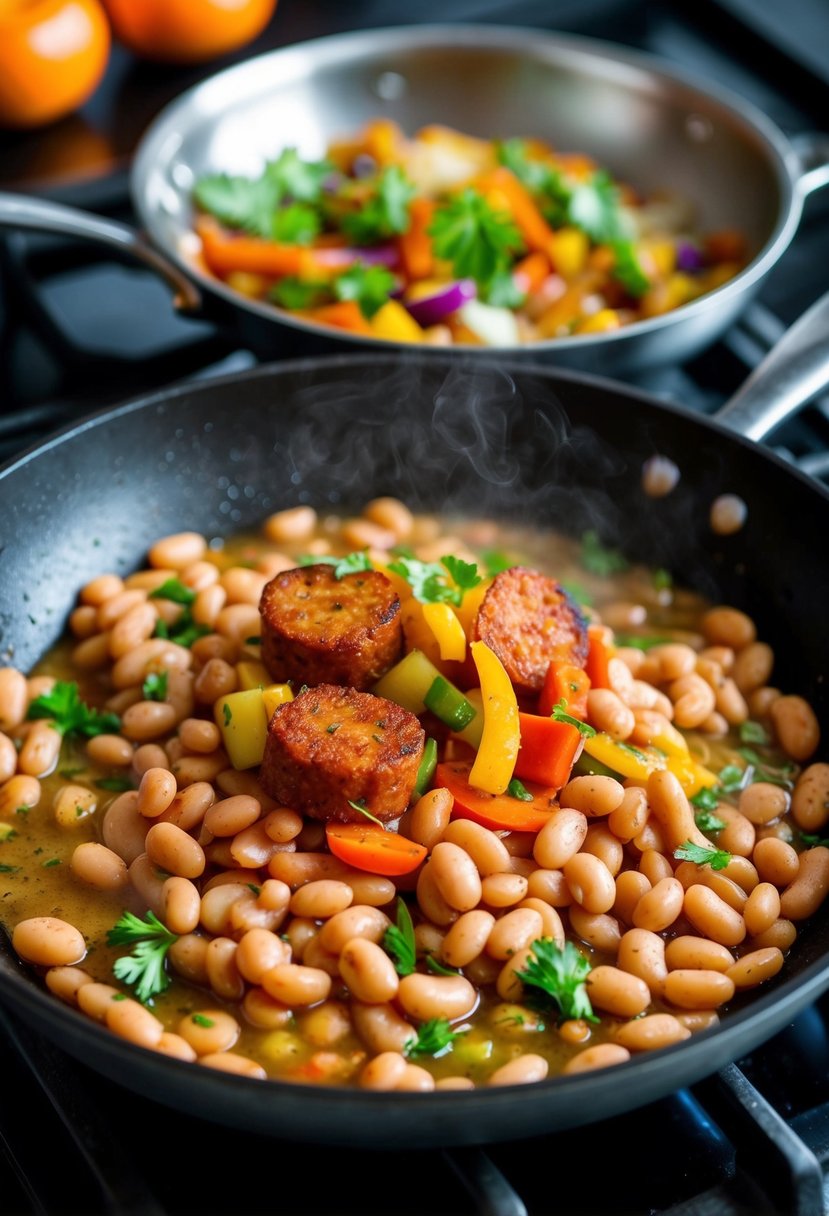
(448, 704)
(705, 799)
(426, 768)
(717, 859)
(559, 714)
(154, 687)
(352, 563)
(706, 821)
(429, 581)
(479, 241)
(517, 789)
(296, 224)
(753, 732)
(560, 973)
(370, 286)
(627, 269)
(434, 1038)
(386, 212)
(298, 294)
(295, 179)
(174, 589)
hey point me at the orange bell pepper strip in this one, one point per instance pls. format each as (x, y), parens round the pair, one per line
(501, 736)
(548, 750)
(568, 683)
(414, 246)
(371, 848)
(503, 184)
(500, 812)
(345, 314)
(598, 657)
(531, 271)
(225, 252)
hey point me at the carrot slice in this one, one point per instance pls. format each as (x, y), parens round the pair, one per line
(598, 657)
(225, 252)
(548, 750)
(366, 847)
(415, 244)
(498, 811)
(568, 683)
(502, 183)
(344, 314)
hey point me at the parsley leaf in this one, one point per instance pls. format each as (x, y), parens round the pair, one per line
(296, 224)
(815, 840)
(174, 589)
(370, 286)
(429, 582)
(707, 821)
(559, 714)
(479, 241)
(717, 859)
(184, 631)
(298, 294)
(593, 206)
(144, 969)
(385, 213)
(352, 563)
(154, 687)
(399, 940)
(239, 202)
(627, 269)
(434, 1038)
(753, 732)
(117, 785)
(295, 179)
(705, 799)
(69, 713)
(599, 559)
(560, 973)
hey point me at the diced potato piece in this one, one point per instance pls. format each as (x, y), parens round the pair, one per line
(276, 694)
(243, 721)
(408, 682)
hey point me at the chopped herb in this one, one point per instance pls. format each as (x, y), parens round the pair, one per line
(814, 841)
(184, 631)
(69, 773)
(662, 579)
(254, 641)
(22, 810)
(765, 772)
(717, 859)
(53, 861)
(227, 714)
(560, 973)
(434, 1038)
(385, 213)
(479, 241)
(69, 713)
(429, 581)
(705, 799)
(333, 728)
(632, 751)
(154, 687)
(117, 784)
(297, 179)
(753, 732)
(594, 207)
(399, 940)
(516, 790)
(378, 738)
(370, 286)
(706, 821)
(175, 590)
(352, 563)
(7, 832)
(640, 642)
(732, 778)
(296, 224)
(559, 714)
(365, 812)
(144, 969)
(432, 964)
(627, 269)
(598, 558)
(295, 293)
(4, 869)
(252, 203)
(199, 1019)
(251, 886)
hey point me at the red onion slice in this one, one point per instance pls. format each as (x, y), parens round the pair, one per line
(431, 309)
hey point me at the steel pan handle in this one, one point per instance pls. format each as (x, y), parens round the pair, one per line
(27, 214)
(795, 371)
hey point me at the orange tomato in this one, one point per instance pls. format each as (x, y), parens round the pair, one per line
(53, 54)
(187, 31)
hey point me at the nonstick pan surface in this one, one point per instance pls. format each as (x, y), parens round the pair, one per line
(519, 442)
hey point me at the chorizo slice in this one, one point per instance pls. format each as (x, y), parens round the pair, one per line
(317, 628)
(529, 620)
(332, 746)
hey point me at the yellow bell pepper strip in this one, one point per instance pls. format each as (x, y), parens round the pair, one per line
(447, 629)
(692, 775)
(243, 722)
(395, 323)
(501, 736)
(276, 694)
(252, 674)
(622, 758)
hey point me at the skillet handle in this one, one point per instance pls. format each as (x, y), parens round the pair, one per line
(28, 214)
(812, 151)
(789, 377)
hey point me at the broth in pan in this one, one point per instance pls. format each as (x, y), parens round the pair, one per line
(402, 802)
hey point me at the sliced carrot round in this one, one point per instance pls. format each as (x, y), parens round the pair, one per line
(501, 812)
(374, 849)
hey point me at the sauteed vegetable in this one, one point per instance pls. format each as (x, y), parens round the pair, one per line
(444, 238)
(402, 803)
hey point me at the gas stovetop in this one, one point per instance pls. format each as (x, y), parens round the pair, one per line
(752, 1140)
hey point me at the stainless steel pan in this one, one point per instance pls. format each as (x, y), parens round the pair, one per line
(519, 441)
(649, 122)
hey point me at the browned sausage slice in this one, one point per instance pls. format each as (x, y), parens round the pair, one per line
(529, 620)
(332, 745)
(318, 629)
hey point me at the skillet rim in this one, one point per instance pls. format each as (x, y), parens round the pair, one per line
(444, 1112)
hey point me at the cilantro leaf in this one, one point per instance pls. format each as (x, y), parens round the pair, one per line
(813, 841)
(707, 821)
(429, 582)
(297, 294)
(144, 969)
(295, 179)
(296, 224)
(385, 213)
(479, 241)
(753, 732)
(239, 202)
(559, 714)
(370, 286)
(352, 563)
(116, 784)
(717, 859)
(560, 973)
(705, 799)
(174, 589)
(399, 940)
(627, 269)
(154, 687)
(594, 207)
(69, 713)
(434, 1038)
(598, 558)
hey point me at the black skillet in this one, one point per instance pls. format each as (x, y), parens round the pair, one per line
(521, 442)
